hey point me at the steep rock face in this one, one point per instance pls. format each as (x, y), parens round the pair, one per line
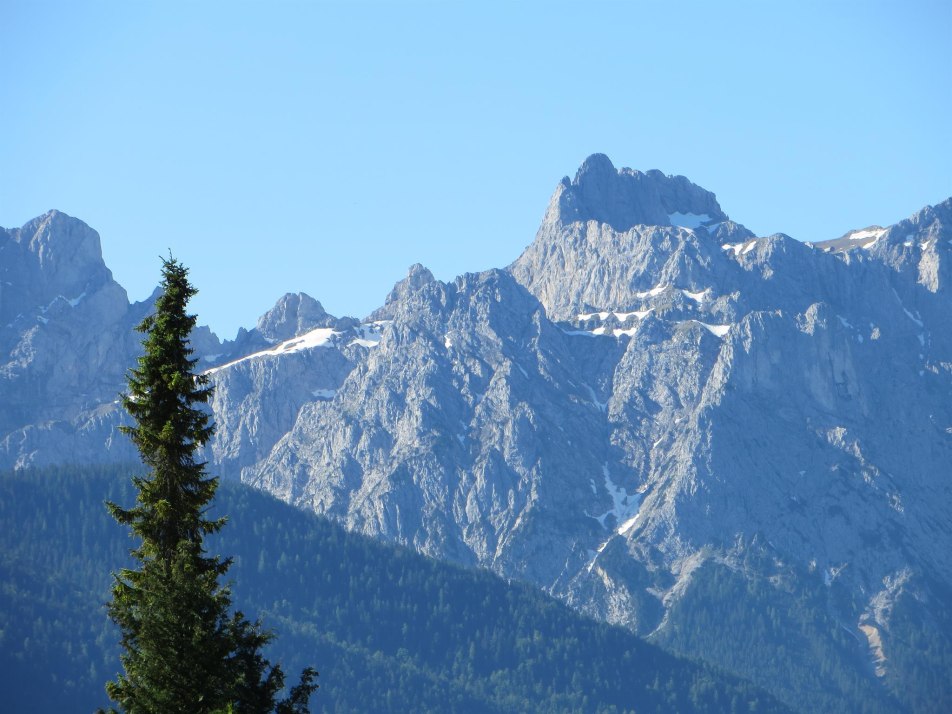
(297, 354)
(610, 236)
(294, 314)
(916, 246)
(258, 396)
(53, 258)
(774, 397)
(809, 344)
(705, 397)
(625, 198)
(462, 433)
(417, 277)
(65, 339)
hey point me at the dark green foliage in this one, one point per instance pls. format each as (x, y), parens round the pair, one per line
(920, 651)
(398, 632)
(183, 651)
(786, 636)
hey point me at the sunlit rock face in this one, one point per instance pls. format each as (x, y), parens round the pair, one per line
(66, 341)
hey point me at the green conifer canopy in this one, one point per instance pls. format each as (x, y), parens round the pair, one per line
(183, 650)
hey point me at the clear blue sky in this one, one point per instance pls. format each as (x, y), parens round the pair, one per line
(324, 147)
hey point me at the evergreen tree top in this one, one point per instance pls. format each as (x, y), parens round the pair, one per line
(183, 650)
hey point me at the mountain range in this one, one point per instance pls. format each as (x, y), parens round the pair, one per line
(736, 446)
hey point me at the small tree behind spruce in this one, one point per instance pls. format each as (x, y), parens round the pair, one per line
(183, 650)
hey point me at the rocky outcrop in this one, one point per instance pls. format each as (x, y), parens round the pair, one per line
(65, 342)
(294, 314)
(67, 339)
(611, 237)
(622, 199)
(672, 396)
(417, 278)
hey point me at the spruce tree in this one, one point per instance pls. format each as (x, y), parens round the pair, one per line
(183, 650)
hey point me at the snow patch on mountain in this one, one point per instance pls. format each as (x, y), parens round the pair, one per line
(716, 330)
(870, 235)
(319, 337)
(624, 510)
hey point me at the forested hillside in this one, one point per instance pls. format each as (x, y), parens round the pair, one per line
(388, 629)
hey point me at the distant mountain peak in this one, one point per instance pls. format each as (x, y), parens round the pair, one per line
(58, 237)
(610, 234)
(594, 164)
(52, 256)
(623, 198)
(417, 277)
(292, 315)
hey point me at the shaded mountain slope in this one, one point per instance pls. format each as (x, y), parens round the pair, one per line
(388, 629)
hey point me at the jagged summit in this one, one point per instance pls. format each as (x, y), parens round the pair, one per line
(610, 235)
(894, 243)
(623, 198)
(52, 255)
(417, 277)
(292, 315)
(57, 236)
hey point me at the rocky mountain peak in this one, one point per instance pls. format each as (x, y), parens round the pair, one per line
(52, 257)
(417, 277)
(623, 198)
(610, 235)
(292, 315)
(919, 244)
(67, 250)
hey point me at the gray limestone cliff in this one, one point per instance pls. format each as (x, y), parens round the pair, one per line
(65, 342)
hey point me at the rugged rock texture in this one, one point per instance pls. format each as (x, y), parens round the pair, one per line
(609, 237)
(651, 413)
(463, 433)
(626, 198)
(417, 277)
(65, 343)
(258, 397)
(67, 339)
(294, 314)
(704, 396)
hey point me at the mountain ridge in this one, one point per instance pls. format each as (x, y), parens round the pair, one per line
(627, 415)
(623, 198)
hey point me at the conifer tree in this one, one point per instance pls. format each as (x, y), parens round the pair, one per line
(183, 650)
